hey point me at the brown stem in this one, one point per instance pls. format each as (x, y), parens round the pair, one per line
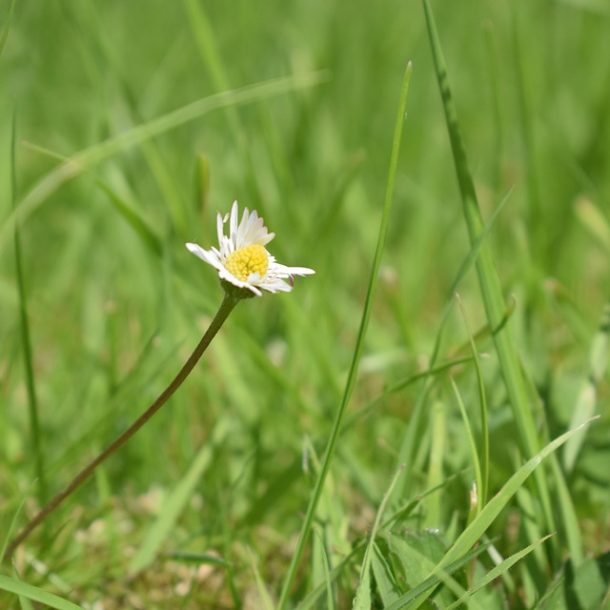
(226, 307)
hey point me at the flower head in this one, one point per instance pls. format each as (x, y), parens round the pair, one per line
(242, 259)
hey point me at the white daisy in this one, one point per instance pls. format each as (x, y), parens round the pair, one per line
(242, 259)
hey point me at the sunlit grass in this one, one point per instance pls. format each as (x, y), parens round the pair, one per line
(136, 123)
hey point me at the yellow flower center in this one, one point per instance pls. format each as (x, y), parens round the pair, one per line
(245, 261)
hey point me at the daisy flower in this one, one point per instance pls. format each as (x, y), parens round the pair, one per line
(241, 257)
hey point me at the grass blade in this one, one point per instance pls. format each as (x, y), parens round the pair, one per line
(22, 589)
(585, 403)
(474, 456)
(497, 572)
(489, 281)
(170, 512)
(353, 371)
(26, 341)
(362, 600)
(483, 484)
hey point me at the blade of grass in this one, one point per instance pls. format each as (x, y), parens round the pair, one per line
(208, 48)
(353, 370)
(312, 597)
(9, 532)
(326, 570)
(266, 602)
(475, 531)
(538, 228)
(363, 600)
(587, 397)
(483, 484)
(171, 510)
(26, 341)
(408, 445)
(496, 572)
(430, 584)
(474, 455)
(438, 425)
(489, 281)
(88, 157)
(416, 564)
(385, 580)
(129, 212)
(36, 594)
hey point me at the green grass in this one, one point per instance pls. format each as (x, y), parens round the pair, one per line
(265, 482)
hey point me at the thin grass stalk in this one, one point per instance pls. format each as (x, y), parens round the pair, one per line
(26, 341)
(353, 370)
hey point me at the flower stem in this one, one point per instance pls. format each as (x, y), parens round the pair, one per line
(226, 307)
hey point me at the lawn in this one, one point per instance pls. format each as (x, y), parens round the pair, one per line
(423, 423)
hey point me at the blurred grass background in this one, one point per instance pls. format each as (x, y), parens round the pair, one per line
(115, 303)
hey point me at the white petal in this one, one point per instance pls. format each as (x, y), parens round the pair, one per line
(209, 256)
(283, 271)
(227, 275)
(242, 230)
(233, 222)
(275, 285)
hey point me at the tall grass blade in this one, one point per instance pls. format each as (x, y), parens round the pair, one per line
(26, 342)
(474, 455)
(489, 281)
(484, 458)
(353, 370)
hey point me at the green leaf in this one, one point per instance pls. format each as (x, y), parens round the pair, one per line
(387, 586)
(35, 594)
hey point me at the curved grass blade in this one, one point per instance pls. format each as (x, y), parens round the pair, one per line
(474, 455)
(26, 340)
(83, 160)
(496, 572)
(489, 281)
